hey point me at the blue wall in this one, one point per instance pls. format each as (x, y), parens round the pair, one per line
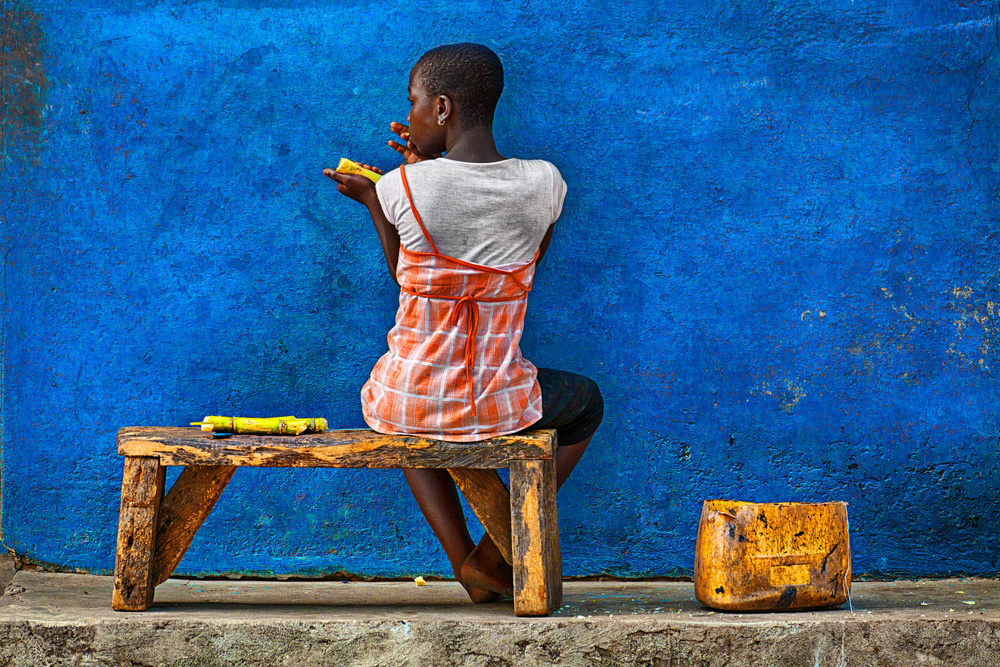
(778, 257)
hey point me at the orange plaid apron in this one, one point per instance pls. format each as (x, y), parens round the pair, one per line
(454, 369)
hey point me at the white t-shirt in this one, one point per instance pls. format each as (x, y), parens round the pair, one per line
(493, 213)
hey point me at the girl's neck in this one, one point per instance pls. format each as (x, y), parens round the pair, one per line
(475, 144)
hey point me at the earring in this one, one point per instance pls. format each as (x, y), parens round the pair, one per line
(440, 120)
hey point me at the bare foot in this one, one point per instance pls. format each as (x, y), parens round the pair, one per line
(486, 569)
(479, 595)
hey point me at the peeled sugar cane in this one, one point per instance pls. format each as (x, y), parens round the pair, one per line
(262, 425)
(350, 167)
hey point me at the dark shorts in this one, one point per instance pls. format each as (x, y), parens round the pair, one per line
(571, 404)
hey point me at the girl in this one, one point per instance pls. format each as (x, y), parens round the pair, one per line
(462, 228)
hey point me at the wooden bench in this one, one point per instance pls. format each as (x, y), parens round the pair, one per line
(154, 531)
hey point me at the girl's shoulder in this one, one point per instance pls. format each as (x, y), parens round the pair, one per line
(517, 173)
(543, 166)
(511, 168)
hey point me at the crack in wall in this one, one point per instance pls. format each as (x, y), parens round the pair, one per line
(975, 84)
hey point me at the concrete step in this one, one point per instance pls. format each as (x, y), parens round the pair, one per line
(66, 619)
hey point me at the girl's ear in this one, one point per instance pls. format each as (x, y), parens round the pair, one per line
(444, 108)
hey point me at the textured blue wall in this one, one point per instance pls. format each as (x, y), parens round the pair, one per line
(778, 257)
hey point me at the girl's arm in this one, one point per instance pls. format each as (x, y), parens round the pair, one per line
(544, 245)
(362, 190)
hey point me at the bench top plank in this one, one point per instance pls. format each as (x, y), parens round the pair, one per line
(362, 448)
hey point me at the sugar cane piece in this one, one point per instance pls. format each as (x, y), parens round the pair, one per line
(350, 167)
(289, 425)
(230, 424)
(318, 425)
(246, 425)
(266, 426)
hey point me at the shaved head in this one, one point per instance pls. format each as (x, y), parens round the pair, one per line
(470, 74)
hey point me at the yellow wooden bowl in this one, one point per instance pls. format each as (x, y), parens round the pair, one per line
(772, 556)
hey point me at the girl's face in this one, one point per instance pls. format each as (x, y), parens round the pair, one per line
(425, 109)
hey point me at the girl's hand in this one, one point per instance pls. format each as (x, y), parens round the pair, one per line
(409, 151)
(355, 186)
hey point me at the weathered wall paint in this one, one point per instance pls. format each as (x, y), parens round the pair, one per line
(22, 78)
(778, 257)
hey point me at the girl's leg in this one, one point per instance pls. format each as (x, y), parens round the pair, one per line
(566, 459)
(485, 567)
(437, 498)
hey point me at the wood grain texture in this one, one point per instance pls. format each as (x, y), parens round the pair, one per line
(185, 508)
(333, 449)
(490, 500)
(142, 491)
(535, 538)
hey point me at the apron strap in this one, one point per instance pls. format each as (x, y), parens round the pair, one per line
(413, 209)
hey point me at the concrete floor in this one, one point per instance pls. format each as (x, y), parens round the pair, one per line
(66, 619)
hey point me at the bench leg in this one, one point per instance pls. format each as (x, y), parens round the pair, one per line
(187, 505)
(490, 500)
(142, 490)
(535, 532)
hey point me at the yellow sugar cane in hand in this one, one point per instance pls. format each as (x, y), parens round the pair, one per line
(350, 167)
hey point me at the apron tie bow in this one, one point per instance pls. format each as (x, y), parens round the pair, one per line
(471, 330)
